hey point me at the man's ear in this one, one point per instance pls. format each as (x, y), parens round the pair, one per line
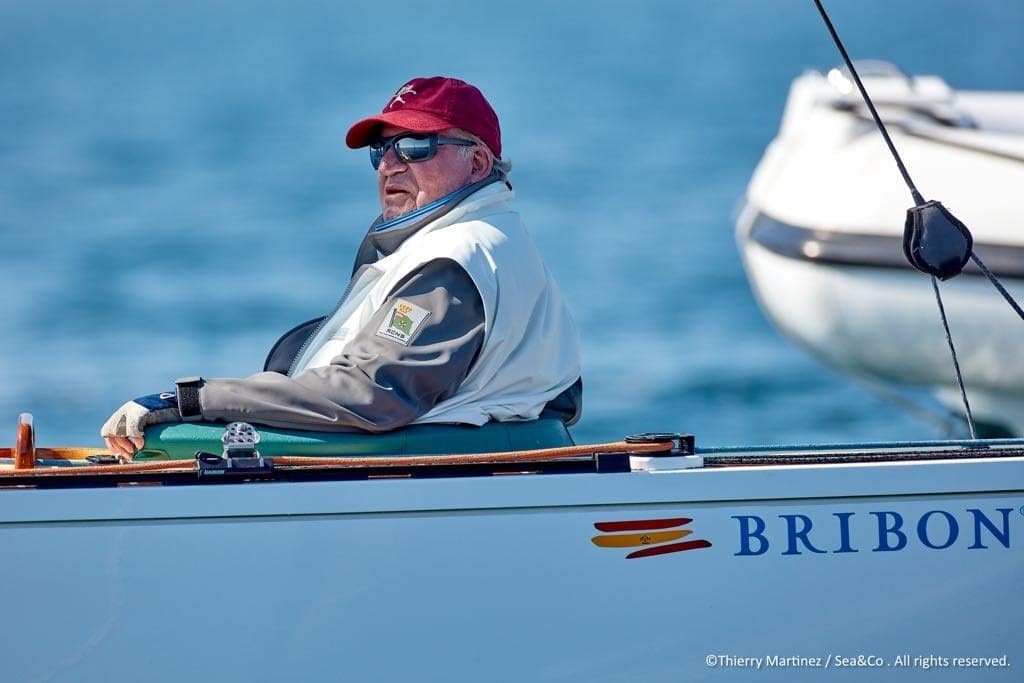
(481, 163)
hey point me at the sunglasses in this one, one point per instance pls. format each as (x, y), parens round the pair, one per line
(412, 147)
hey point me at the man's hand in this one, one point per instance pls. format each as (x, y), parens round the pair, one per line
(123, 432)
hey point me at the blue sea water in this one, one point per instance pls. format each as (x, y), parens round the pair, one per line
(175, 191)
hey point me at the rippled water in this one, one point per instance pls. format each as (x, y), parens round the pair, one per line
(174, 190)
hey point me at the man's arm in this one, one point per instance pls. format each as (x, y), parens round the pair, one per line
(385, 379)
(381, 381)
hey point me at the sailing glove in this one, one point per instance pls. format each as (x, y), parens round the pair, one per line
(130, 420)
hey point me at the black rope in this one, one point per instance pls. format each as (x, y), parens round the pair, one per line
(948, 422)
(998, 285)
(918, 199)
(956, 363)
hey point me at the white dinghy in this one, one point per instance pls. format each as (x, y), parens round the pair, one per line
(822, 227)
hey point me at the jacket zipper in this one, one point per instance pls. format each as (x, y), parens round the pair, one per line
(302, 349)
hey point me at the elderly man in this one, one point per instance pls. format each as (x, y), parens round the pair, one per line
(450, 315)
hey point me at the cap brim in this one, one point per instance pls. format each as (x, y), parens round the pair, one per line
(363, 132)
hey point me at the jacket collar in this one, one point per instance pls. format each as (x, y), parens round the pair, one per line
(385, 237)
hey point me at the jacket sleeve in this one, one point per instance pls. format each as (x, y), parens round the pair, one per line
(390, 372)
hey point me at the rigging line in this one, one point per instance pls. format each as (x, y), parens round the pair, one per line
(918, 199)
(956, 363)
(948, 422)
(998, 285)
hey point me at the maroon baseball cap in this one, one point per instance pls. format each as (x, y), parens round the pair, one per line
(430, 105)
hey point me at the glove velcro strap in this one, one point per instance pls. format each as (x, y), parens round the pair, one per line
(188, 398)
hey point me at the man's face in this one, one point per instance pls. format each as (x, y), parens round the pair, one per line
(405, 187)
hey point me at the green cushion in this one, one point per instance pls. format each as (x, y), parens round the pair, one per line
(180, 441)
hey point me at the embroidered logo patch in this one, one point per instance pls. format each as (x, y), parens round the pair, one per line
(402, 323)
(397, 97)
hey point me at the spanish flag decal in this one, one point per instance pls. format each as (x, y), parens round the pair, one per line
(653, 536)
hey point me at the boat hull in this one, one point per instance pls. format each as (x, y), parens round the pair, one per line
(821, 237)
(883, 324)
(512, 578)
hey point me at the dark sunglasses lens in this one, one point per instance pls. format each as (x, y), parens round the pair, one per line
(415, 149)
(376, 154)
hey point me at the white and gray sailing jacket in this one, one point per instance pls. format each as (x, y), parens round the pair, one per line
(457, 322)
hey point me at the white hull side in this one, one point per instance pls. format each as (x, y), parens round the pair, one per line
(829, 170)
(497, 578)
(884, 323)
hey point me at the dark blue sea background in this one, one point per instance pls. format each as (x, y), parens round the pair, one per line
(175, 191)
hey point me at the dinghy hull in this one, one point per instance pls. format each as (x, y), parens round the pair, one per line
(821, 236)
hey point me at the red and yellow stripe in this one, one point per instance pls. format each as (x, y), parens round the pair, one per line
(655, 536)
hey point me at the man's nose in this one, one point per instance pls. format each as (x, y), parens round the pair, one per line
(390, 163)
